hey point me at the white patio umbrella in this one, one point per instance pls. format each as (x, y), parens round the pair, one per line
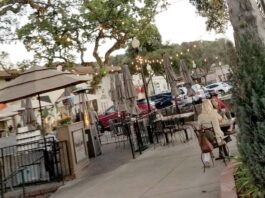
(130, 93)
(28, 115)
(113, 92)
(171, 76)
(121, 103)
(36, 81)
(35, 104)
(187, 78)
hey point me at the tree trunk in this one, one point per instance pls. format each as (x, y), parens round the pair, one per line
(245, 16)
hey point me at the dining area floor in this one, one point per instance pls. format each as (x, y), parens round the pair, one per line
(171, 171)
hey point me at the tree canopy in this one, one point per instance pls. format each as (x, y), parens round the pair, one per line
(203, 53)
(62, 30)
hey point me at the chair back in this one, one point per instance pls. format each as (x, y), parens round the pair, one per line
(210, 134)
(113, 127)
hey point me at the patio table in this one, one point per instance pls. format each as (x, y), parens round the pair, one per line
(176, 116)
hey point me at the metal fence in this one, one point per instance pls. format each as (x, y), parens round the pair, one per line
(32, 163)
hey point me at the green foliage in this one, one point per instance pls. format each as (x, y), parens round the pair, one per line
(216, 12)
(249, 97)
(202, 53)
(244, 182)
(63, 31)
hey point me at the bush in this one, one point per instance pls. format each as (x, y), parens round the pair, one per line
(249, 98)
(244, 183)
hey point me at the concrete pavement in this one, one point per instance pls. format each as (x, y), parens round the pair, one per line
(173, 171)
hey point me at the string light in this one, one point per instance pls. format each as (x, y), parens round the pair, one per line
(39, 39)
(140, 60)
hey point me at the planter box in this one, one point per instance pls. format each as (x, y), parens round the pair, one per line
(227, 181)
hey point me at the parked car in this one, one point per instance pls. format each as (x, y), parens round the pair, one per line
(143, 106)
(161, 100)
(112, 114)
(183, 99)
(218, 88)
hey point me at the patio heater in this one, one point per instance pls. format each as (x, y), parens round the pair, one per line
(84, 114)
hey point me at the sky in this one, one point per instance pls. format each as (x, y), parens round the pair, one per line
(179, 23)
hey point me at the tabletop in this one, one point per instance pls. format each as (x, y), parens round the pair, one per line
(179, 116)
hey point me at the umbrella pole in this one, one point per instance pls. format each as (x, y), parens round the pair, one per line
(42, 123)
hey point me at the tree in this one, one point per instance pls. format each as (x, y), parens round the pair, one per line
(247, 19)
(203, 53)
(62, 30)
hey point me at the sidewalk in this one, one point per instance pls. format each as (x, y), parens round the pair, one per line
(164, 172)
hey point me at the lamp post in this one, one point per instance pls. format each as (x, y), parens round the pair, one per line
(136, 45)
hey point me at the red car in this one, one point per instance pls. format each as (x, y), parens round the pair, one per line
(111, 114)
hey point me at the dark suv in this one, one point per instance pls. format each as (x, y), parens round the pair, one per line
(162, 100)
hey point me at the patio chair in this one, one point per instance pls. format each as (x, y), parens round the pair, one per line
(169, 128)
(143, 131)
(157, 132)
(201, 135)
(210, 134)
(182, 130)
(117, 133)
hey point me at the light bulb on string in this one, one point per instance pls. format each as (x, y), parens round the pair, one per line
(68, 39)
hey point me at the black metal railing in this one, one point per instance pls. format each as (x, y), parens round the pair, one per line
(33, 163)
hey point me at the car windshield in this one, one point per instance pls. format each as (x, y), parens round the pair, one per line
(141, 101)
(110, 110)
(212, 86)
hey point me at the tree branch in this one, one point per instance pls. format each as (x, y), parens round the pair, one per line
(95, 52)
(7, 5)
(116, 46)
(5, 69)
